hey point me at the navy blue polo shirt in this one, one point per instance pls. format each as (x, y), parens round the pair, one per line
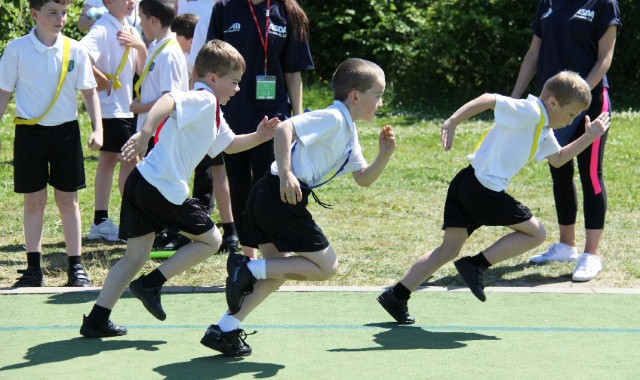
(232, 21)
(570, 31)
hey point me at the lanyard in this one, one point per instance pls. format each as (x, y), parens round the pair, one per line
(264, 40)
(66, 58)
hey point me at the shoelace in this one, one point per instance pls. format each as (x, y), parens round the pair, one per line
(242, 335)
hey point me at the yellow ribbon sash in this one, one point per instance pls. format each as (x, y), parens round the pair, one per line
(138, 84)
(115, 78)
(66, 57)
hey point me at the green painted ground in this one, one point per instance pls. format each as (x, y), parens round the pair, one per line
(332, 336)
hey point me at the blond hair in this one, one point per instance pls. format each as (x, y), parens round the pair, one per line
(354, 74)
(218, 57)
(567, 87)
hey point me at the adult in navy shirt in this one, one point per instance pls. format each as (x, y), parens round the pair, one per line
(576, 35)
(271, 85)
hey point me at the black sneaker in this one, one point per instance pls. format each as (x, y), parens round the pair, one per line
(473, 276)
(239, 281)
(396, 307)
(78, 277)
(229, 245)
(161, 239)
(31, 277)
(230, 343)
(90, 330)
(176, 242)
(150, 297)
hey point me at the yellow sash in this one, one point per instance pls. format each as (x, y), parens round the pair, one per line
(66, 57)
(138, 84)
(536, 137)
(116, 77)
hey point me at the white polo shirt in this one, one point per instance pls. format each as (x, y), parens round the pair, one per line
(326, 139)
(507, 147)
(106, 52)
(33, 71)
(187, 136)
(167, 73)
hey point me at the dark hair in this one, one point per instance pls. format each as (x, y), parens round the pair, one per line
(185, 24)
(163, 10)
(37, 4)
(298, 19)
(217, 56)
(354, 74)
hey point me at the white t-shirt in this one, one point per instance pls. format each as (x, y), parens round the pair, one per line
(507, 147)
(33, 71)
(106, 52)
(201, 8)
(199, 38)
(187, 136)
(167, 73)
(325, 140)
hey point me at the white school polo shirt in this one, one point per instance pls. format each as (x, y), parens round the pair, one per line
(33, 71)
(187, 136)
(167, 73)
(507, 147)
(106, 53)
(325, 139)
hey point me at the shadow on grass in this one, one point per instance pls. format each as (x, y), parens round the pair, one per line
(70, 349)
(499, 276)
(218, 367)
(415, 338)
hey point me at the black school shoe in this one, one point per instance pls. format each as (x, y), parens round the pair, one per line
(239, 282)
(78, 277)
(91, 330)
(230, 343)
(473, 276)
(150, 297)
(396, 307)
(230, 244)
(31, 277)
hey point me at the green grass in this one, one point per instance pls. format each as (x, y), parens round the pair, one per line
(378, 231)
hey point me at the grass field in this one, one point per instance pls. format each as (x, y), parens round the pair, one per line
(378, 231)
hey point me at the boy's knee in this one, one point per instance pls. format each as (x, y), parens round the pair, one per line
(329, 271)
(541, 235)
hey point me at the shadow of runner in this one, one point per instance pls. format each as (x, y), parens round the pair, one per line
(217, 367)
(63, 350)
(416, 338)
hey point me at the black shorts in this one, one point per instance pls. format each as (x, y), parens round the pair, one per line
(51, 155)
(290, 228)
(144, 209)
(116, 132)
(470, 205)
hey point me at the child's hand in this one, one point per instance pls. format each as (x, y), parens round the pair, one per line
(135, 147)
(387, 141)
(290, 191)
(95, 140)
(267, 128)
(448, 132)
(126, 37)
(136, 107)
(599, 126)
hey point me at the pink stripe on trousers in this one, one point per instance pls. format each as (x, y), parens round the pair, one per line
(595, 149)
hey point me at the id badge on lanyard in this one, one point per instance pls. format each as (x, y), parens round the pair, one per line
(265, 84)
(266, 87)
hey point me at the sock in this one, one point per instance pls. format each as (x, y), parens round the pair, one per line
(155, 278)
(229, 229)
(73, 260)
(401, 292)
(258, 268)
(480, 260)
(100, 216)
(33, 259)
(99, 315)
(229, 323)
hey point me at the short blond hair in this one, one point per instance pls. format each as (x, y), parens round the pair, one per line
(567, 87)
(218, 57)
(354, 74)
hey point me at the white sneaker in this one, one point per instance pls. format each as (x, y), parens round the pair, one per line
(557, 252)
(588, 267)
(106, 230)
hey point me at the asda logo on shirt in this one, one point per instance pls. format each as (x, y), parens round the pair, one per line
(584, 14)
(280, 31)
(233, 28)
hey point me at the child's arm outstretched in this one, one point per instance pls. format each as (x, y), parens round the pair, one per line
(264, 133)
(478, 105)
(290, 191)
(137, 145)
(387, 144)
(92, 102)
(593, 130)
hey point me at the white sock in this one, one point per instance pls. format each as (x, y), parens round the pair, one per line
(229, 323)
(258, 268)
